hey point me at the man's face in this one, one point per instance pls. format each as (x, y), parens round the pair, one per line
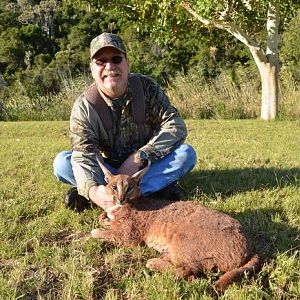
(110, 70)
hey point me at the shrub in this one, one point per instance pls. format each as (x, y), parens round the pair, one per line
(20, 106)
(221, 97)
(229, 96)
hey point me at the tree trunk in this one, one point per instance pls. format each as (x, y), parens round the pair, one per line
(269, 70)
(269, 96)
(267, 62)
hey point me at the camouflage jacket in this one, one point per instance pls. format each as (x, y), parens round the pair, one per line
(163, 130)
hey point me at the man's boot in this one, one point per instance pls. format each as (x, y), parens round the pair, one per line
(77, 202)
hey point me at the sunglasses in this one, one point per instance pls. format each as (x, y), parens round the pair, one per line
(117, 59)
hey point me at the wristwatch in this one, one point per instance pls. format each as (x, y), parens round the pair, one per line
(143, 157)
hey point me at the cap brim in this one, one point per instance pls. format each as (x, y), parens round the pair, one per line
(107, 46)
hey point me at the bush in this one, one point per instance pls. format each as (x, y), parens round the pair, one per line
(20, 106)
(227, 96)
(222, 97)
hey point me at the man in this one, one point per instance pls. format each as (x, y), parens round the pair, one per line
(128, 145)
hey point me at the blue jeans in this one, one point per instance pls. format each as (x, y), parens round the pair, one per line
(161, 173)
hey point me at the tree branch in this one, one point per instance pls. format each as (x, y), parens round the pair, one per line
(272, 29)
(232, 28)
(227, 12)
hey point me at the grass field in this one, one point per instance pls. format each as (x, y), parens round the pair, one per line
(248, 169)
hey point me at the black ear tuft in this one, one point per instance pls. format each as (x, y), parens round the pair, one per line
(139, 174)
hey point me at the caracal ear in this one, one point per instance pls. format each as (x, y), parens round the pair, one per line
(107, 174)
(139, 175)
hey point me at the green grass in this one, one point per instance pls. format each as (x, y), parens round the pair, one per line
(248, 169)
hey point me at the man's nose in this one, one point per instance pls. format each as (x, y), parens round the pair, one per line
(109, 65)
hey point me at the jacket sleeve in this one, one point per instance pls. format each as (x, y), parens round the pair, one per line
(170, 128)
(85, 150)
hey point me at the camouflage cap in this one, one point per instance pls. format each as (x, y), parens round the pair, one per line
(106, 40)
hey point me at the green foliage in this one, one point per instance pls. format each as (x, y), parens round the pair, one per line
(42, 60)
(226, 96)
(290, 49)
(11, 48)
(24, 104)
(34, 38)
(229, 95)
(41, 42)
(8, 19)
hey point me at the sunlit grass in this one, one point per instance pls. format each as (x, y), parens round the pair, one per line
(248, 169)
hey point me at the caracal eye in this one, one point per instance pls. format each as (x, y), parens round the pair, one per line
(129, 190)
(114, 188)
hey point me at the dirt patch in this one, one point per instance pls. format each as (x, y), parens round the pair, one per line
(65, 237)
(112, 268)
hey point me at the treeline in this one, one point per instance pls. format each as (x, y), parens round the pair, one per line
(45, 44)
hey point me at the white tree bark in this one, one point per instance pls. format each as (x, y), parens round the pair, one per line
(269, 82)
(267, 62)
(269, 76)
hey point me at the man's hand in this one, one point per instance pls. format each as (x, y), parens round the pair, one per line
(130, 166)
(112, 210)
(100, 197)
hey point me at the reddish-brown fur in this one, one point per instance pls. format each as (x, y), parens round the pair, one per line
(190, 237)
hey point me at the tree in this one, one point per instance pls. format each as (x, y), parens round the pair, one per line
(11, 48)
(266, 60)
(244, 19)
(42, 14)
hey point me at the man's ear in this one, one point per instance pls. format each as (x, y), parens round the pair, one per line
(92, 65)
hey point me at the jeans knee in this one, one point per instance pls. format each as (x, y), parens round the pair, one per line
(189, 155)
(60, 164)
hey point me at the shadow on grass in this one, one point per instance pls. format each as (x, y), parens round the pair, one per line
(269, 231)
(232, 181)
(271, 237)
(268, 227)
